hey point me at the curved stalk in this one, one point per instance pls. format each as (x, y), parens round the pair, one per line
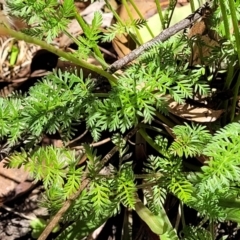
(84, 26)
(149, 140)
(160, 13)
(60, 53)
(235, 26)
(225, 19)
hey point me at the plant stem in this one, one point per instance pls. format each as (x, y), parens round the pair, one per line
(182, 215)
(86, 29)
(168, 17)
(60, 53)
(164, 119)
(114, 12)
(150, 141)
(212, 229)
(141, 16)
(139, 38)
(192, 5)
(160, 13)
(235, 26)
(151, 175)
(231, 203)
(155, 129)
(146, 185)
(225, 19)
(229, 78)
(235, 99)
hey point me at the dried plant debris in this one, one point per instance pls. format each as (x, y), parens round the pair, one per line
(15, 58)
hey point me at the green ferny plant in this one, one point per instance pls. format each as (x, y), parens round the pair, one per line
(89, 194)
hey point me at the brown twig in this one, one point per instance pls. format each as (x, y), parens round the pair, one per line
(76, 139)
(115, 149)
(55, 220)
(163, 36)
(96, 144)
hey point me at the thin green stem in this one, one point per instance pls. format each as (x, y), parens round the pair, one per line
(160, 13)
(151, 175)
(86, 29)
(237, 118)
(146, 185)
(225, 18)
(114, 12)
(121, 22)
(229, 203)
(235, 26)
(141, 16)
(75, 40)
(172, 7)
(204, 220)
(224, 119)
(164, 119)
(155, 129)
(149, 140)
(139, 38)
(229, 78)
(60, 53)
(182, 215)
(81, 21)
(101, 95)
(192, 5)
(235, 99)
(211, 225)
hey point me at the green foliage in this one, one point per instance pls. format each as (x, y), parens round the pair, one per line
(10, 126)
(222, 169)
(173, 178)
(59, 93)
(91, 38)
(119, 29)
(52, 166)
(125, 186)
(100, 193)
(196, 233)
(202, 190)
(139, 99)
(49, 17)
(38, 225)
(162, 65)
(219, 173)
(190, 141)
(139, 94)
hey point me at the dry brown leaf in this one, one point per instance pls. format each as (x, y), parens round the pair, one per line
(10, 179)
(123, 45)
(192, 113)
(202, 51)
